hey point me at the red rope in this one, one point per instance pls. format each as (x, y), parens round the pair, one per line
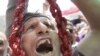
(14, 39)
(61, 24)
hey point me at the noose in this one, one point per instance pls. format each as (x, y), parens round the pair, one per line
(61, 24)
(14, 38)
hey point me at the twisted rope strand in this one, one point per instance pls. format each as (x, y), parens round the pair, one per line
(61, 24)
(14, 38)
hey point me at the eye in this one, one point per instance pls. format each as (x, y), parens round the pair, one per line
(31, 27)
(49, 25)
(70, 30)
(1, 42)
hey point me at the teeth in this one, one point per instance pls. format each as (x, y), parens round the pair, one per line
(44, 41)
(48, 41)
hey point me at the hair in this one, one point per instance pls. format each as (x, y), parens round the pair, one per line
(76, 21)
(27, 16)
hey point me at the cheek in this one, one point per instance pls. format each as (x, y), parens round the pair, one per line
(28, 42)
(56, 43)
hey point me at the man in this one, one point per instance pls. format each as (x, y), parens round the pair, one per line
(4, 46)
(90, 45)
(39, 37)
(40, 40)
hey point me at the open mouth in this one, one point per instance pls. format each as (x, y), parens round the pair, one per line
(44, 46)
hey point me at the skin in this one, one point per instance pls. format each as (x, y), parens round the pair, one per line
(90, 45)
(4, 47)
(39, 31)
(46, 6)
(71, 31)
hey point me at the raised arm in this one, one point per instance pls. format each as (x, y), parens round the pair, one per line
(90, 45)
(90, 8)
(10, 14)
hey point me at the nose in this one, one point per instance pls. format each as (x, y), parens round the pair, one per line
(42, 29)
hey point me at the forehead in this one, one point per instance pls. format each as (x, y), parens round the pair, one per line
(37, 19)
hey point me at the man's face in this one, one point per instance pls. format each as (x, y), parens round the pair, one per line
(3, 45)
(39, 38)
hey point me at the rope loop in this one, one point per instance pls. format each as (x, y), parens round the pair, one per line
(61, 24)
(14, 39)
